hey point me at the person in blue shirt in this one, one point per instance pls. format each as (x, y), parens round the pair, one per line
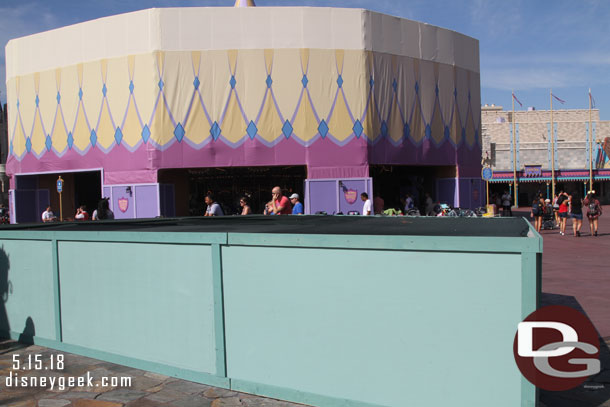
(297, 207)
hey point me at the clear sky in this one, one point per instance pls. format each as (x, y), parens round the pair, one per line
(526, 45)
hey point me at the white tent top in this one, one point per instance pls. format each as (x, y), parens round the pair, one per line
(220, 28)
(244, 3)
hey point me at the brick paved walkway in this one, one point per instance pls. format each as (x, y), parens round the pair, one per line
(576, 270)
(146, 390)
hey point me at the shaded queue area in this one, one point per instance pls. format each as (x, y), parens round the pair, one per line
(34, 193)
(181, 192)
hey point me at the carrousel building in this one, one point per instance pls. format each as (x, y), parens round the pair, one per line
(155, 108)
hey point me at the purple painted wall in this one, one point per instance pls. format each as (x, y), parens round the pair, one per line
(29, 205)
(123, 202)
(147, 201)
(331, 196)
(325, 193)
(351, 188)
(446, 191)
(472, 192)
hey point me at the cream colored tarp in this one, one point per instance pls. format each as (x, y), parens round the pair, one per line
(224, 28)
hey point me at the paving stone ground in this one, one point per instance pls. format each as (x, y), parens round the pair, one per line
(147, 389)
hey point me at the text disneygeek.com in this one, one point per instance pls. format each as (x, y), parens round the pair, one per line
(25, 374)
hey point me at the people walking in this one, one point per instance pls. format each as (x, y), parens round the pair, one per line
(280, 204)
(594, 211)
(576, 213)
(429, 205)
(212, 209)
(48, 215)
(507, 200)
(81, 213)
(562, 211)
(245, 207)
(537, 211)
(367, 208)
(297, 206)
(103, 211)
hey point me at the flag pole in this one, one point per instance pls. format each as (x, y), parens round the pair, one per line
(590, 144)
(514, 154)
(552, 150)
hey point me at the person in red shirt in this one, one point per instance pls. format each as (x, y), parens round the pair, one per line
(81, 213)
(280, 205)
(562, 201)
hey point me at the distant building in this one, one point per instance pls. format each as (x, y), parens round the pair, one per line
(533, 150)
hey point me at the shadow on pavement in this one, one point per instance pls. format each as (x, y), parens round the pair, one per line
(595, 392)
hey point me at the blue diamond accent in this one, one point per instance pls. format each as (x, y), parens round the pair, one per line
(469, 96)
(179, 132)
(447, 133)
(58, 98)
(304, 81)
(48, 143)
(37, 100)
(287, 129)
(118, 136)
(93, 138)
(269, 81)
(11, 148)
(196, 83)
(71, 140)
(476, 134)
(80, 93)
(17, 103)
(232, 82)
(371, 82)
(384, 129)
(436, 90)
(395, 85)
(455, 92)
(340, 81)
(104, 90)
(463, 133)
(131, 86)
(145, 133)
(28, 144)
(160, 84)
(251, 130)
(323, 128)
(215, 131)
(416, 87)
(428, 131)
(407, 130)
(358, 128)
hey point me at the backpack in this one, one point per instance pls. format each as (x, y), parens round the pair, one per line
(561, 199)
(593, 209)
(536, 208)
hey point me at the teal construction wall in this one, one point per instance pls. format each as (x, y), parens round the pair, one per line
(326, 320)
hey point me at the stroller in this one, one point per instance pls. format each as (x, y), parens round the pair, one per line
(548, 216)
